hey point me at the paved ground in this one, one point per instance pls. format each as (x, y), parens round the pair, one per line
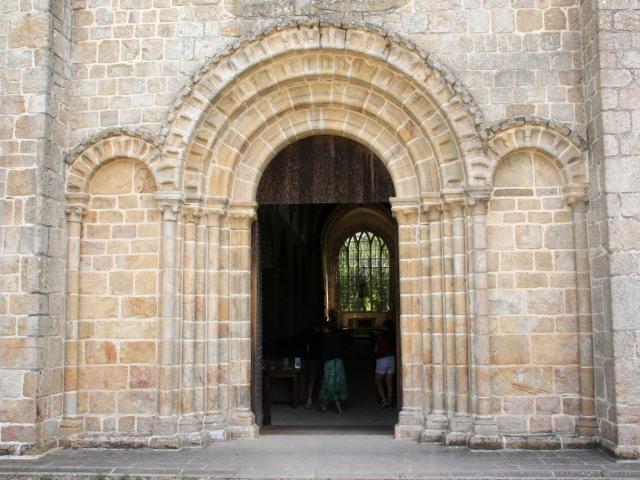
(324, 457)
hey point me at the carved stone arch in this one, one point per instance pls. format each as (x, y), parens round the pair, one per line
(85, 160)
(240, 183)
(559, 143)
(371, 57)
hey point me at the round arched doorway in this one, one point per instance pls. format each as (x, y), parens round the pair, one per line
(315, 195)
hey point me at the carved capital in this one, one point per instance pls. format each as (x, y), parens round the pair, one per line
(192, 214)
(576, 197)
(405, 210)
(478, 198)
(169, 203)
(75, 213)
(215, 210)
(242, 215)
(453, 201)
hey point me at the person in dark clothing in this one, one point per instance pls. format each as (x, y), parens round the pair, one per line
(386, 363)
(334, 382)
(314, 361)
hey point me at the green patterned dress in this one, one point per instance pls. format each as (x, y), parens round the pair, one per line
(334, 382)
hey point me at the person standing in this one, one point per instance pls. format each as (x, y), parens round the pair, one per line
(314, 361)
(386, 363)
(334, 382)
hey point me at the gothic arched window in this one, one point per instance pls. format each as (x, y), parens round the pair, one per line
(364, 274)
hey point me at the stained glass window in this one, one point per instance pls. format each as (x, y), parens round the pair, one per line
(364, 274)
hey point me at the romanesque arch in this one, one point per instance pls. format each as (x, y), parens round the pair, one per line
(245, 106)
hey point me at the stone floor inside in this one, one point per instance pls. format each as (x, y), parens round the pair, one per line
(361, 410)
(321, 457)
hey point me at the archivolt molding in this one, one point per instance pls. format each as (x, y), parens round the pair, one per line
(534, 133)
(237, 176)
(84, 160)
(396, 71)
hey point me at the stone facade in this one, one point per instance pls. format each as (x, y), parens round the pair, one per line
(133, 135)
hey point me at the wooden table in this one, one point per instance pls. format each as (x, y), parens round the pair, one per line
(288, 374)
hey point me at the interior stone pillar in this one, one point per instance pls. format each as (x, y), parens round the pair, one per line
(189, 421)
(242, 420)
(587, 424)
(411, 417)
(169, 203)
(216, 403)
(436, 422)
(457, 327)
(484, 422)
(71, 422)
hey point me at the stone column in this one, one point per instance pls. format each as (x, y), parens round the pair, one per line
(436, 423)
(586, 425)
(71, 421)
(449, 351)
(200, 318)
(242, 420)
(484, 423)
(457, 329)
(216, 397)
(411, 417)
(169, 203)
(189, 420)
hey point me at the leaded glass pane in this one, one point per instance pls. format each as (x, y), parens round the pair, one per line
(364, 274)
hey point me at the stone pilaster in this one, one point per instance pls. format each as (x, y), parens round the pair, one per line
(411, 418)
(71, 422)
(484, 423)
(241, 422)
(165, 427)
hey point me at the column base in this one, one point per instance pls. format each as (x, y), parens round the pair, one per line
(190, 423)
(246, 432)
(69, 426)
(435, 429)
(460, 429)
(165, 426)
(242, 424)
(409, 424)
(587, 426)
(214, 426)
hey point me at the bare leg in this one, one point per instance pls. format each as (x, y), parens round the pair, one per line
(338, 406)
(380, 387)
(389, 380)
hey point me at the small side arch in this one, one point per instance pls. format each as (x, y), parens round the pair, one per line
(559, 143)
(87, 158)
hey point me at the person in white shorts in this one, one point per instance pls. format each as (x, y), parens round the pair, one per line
(386, 363)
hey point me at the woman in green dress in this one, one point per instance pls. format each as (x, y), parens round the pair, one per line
(334, 382)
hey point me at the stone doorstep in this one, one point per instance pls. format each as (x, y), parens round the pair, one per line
(169, 474)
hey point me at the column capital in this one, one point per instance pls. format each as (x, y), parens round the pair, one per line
(478, 197)
(453, 199)
(215, 209)
(75, 213)
(76, 206)
(192, 213)
(576, 197)
(242, 215)
(478, 194)
(169, 203)
(402, 208)
(431, 203)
